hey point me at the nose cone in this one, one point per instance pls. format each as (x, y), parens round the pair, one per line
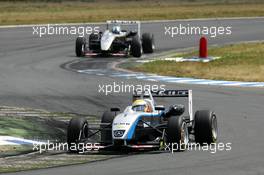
(125, 124)
(107, 40)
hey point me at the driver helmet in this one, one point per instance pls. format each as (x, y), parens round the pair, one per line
(116, 29)
(141, 106)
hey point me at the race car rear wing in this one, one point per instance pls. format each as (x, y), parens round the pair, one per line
(123, 22)
(163, 93)
(167, 93)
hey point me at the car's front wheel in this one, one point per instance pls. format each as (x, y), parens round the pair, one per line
(106, 127)
(77, 130)
(80, 46)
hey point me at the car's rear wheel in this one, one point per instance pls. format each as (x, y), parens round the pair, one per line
(78, 129)
(106, 132)
(148, 44)
(80, 46)
(136, 49)
(177, 133)
(205, 127)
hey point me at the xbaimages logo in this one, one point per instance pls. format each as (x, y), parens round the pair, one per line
(128, 88)
(64, 30)
(212, 31)
(192, 146)
(56, 146)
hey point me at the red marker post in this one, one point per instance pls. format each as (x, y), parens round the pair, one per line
(203, 48)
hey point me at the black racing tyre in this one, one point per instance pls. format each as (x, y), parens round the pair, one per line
(78, 129)
(106, 132)
(136, 50)
(205, 127)
(80, 46)
(148, 44)
(94, 38)
(177, 132)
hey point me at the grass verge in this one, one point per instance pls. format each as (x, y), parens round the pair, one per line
(239, 62)
(41, 125)
(30, 12)
(31, 162)
(29, 124)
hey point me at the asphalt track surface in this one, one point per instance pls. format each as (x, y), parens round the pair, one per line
(31, 76)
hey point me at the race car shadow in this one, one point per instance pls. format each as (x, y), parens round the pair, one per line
(124, 152)
(102, 56)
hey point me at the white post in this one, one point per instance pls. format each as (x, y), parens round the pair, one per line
(139, 26)
(190, 106)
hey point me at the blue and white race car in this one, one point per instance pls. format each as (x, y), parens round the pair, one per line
(146, 125)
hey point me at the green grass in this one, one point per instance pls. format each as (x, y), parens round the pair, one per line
(33, 128)
(38, 124)
(31, 12)
(239, 62)
(13, 164)
(30, 128)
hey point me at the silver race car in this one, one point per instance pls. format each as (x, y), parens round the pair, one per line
(116, 41)
(146, 125)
